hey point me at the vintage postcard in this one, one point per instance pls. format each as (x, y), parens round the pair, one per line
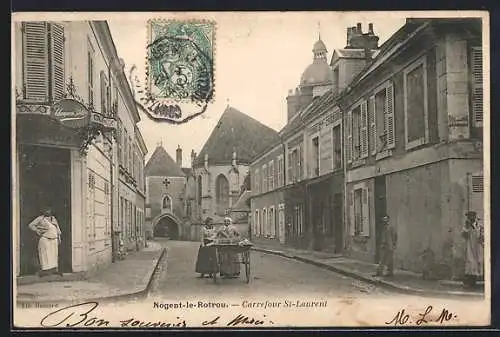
(250, 170)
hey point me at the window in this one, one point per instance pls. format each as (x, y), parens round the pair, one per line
(90, 73)
(271, 175)
(415, 82)
(222, 194)
(298, 219)
(359, 211)
(476, 63)
(125, 149)
(256, 223)
(264, 178)
(264, 223)
(166, 203)
(315, 156)
(281, 180)
(257, 181)
(356, 133)
(272, 222)
(130, 157)
(295, 164)
(381, 120)
(43, 61)
(199, 188)
(337, 147)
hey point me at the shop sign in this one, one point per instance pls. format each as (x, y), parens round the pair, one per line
(105, 122)
(71, 113)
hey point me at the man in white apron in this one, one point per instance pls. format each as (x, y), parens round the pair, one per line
(48, 230)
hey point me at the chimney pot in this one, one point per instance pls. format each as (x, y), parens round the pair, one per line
(370, 28)
(178, 158)
(358, 26)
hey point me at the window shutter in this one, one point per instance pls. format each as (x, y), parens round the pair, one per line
(35, 61)
(299, 161)
(348, 149)
(364, 129)
(389, 117)
(476, 189)
(477, 86)
(366, 213)
(351, 213)
(103, 93)
(373, 126)
(57, 58)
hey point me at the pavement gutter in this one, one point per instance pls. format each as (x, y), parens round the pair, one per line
(372, 280)
(129, 295)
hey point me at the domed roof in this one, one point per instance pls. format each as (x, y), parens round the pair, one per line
(319, 71)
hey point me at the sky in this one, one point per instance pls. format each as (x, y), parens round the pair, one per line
(258, 58)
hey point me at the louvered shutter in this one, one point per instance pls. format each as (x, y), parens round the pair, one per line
(103, 93)
(348, 149)
(366, 212)
(477, 86)
(57, 51)
(35, 61)
(373, 125)
(300, 162)
(389, 117)
(364, 129)
(476, 190)
(351, 213)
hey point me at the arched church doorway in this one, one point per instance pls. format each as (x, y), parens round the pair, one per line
(167, 227)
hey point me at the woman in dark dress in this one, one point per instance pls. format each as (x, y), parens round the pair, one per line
(205, 263)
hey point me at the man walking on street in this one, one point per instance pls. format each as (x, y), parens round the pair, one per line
(388, 243)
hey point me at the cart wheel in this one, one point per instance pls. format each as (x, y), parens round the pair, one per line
(247, 266)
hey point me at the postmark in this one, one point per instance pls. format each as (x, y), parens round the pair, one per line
(180, 78)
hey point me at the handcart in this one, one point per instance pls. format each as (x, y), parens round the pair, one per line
(229, 246)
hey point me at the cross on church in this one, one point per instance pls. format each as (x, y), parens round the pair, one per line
(166, 182)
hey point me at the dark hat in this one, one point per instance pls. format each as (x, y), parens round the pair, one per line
(208, 220)
(471, 213)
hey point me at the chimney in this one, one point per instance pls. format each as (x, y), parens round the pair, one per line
(370, 28)
(358, 28)
(178, 156)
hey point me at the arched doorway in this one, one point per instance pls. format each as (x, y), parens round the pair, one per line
(167, 226)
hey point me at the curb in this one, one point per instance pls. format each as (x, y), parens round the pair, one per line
(372, 280)
(140, 293)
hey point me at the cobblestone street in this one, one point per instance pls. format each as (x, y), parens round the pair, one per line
(270, 275)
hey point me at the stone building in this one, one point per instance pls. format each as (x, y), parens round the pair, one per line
(413, 144)
(165, 194)
(71, 91)
(222, 165)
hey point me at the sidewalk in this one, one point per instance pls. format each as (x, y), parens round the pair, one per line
(125, 278)
(403, 281)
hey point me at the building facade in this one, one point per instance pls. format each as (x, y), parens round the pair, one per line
(413, 121)
(165, 195)
(67, 107)
(222, 165)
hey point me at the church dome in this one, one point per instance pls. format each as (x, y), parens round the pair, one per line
(318, 71)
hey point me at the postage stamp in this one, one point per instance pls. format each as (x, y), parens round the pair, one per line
(324, 195)
(180, 78)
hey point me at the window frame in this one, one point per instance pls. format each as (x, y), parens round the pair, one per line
(318, 160)
(90, 72)
(337, 125)
(422, 61)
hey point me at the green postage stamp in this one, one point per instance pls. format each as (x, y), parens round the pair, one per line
(180, 69)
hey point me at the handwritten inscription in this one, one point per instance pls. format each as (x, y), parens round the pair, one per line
(425, 317)
(84, 315)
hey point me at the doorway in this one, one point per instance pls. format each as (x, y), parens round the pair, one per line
(44, 181)
(380, 211)
(166, 227)
(338, 222)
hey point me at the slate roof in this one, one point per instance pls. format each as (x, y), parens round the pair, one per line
(243, 202)
(238, 132)
(161, 164)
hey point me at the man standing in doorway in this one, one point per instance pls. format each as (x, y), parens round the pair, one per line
(388, 243)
